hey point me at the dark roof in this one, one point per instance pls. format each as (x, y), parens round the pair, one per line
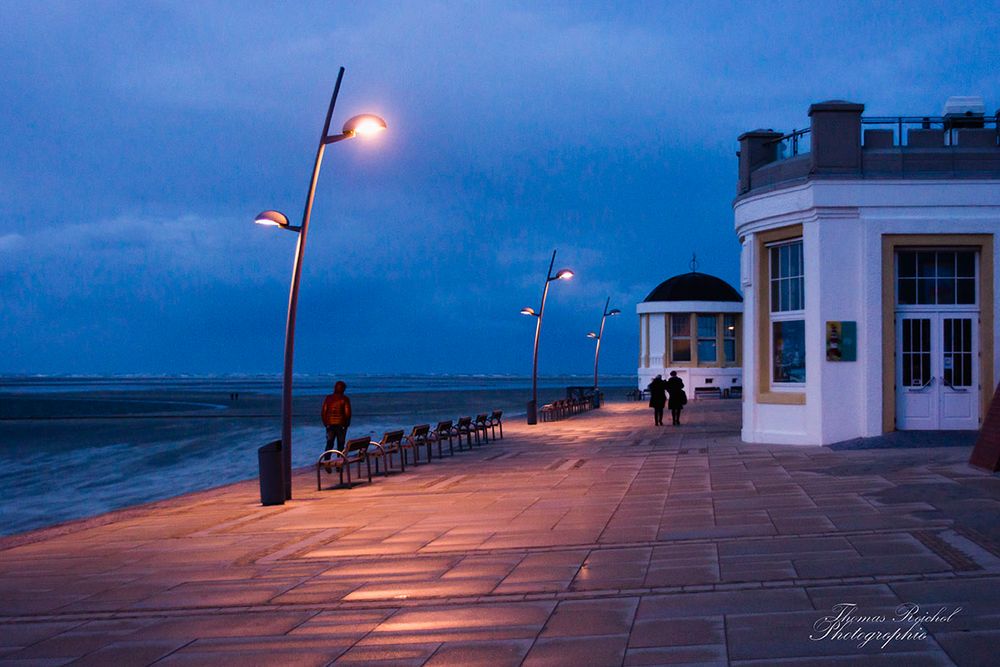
(694, 286)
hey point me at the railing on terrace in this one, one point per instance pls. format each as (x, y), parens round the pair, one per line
(794, 143)
(950, 125)
(797, 142)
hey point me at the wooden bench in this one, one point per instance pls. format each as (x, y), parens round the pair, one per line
(445, 430)
(496, 419)
(707, 392)
(391, 443)
(355, 451)
(481, 424)
(465, 427)
(418, 438)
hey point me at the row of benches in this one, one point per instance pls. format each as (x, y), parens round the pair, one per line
(422, 437)
(565, 408)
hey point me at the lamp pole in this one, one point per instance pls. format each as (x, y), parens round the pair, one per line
(600, 335)
(561, 274)
(363, 124)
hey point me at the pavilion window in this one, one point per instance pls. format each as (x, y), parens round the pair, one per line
(729, 338)
(680, 337)
(708, 338)
(787, 313)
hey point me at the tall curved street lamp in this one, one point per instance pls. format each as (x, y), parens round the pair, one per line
(363, 125)
(561, 274)
(598, 336)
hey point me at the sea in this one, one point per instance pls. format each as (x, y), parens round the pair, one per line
(78, 446)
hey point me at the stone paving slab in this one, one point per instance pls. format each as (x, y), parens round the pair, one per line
(598, 540)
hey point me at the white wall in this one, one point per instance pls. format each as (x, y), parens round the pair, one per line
(843, 224)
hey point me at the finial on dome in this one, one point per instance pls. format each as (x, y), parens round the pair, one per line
(694, 262)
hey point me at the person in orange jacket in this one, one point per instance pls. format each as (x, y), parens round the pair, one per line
(336, 416)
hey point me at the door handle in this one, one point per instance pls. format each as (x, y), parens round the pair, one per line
(921, 387)
(951, 386)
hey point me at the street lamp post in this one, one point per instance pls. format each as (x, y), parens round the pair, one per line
(561, 274)
(364, 124)
(598, 336)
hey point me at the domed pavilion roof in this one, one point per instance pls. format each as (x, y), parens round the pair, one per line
(694, 286)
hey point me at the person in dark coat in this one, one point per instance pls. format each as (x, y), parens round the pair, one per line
(657, 398)
(675, 387)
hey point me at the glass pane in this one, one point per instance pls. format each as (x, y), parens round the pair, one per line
(785, 261)
(789, 348)
(966, 264)
(786, 297)
(966, 370)
(966, 292)
(907, 265)
(925, 290)
(775, 296)
(680, 325)
(798, 297)
(797, 259)
(729, 326)
(946, 264)
(707, 351)
(775, 262)
(707, 326)
(681, 350)
(729, 349)
(907, 291)
(925, 265)
(946, 290)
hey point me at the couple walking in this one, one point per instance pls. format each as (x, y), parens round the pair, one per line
(658, 390)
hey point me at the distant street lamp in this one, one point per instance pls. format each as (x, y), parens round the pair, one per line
(598, 336)
(363, 125)
(561, 274)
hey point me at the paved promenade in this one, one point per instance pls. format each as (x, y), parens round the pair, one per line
(600, 540)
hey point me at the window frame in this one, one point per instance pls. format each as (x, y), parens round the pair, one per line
(689, 338)
(784, 311)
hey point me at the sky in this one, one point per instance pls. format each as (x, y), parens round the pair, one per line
(139, 140)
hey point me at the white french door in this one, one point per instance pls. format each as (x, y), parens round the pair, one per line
(937, 370)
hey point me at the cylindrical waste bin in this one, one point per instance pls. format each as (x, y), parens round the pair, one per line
(272, 479)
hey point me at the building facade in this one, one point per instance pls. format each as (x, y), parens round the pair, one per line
(691, 324)
(868, 267)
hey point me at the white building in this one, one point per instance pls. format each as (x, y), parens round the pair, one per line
(868, 267)
(691, 324)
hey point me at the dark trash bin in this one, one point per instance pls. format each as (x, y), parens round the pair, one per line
(272, 479)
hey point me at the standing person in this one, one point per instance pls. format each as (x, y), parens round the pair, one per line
(336, 416)
(675, 387)
(657, 398)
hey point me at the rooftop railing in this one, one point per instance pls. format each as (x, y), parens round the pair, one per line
(949, 125)
(794, 143)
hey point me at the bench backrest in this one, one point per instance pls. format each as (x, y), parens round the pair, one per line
(443, 427)
(464, 422)
(420, 431)
(357, 444)
(481, 419)
(497, 414)
(391, 437)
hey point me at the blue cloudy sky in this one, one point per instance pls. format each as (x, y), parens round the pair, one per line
(138, 140)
